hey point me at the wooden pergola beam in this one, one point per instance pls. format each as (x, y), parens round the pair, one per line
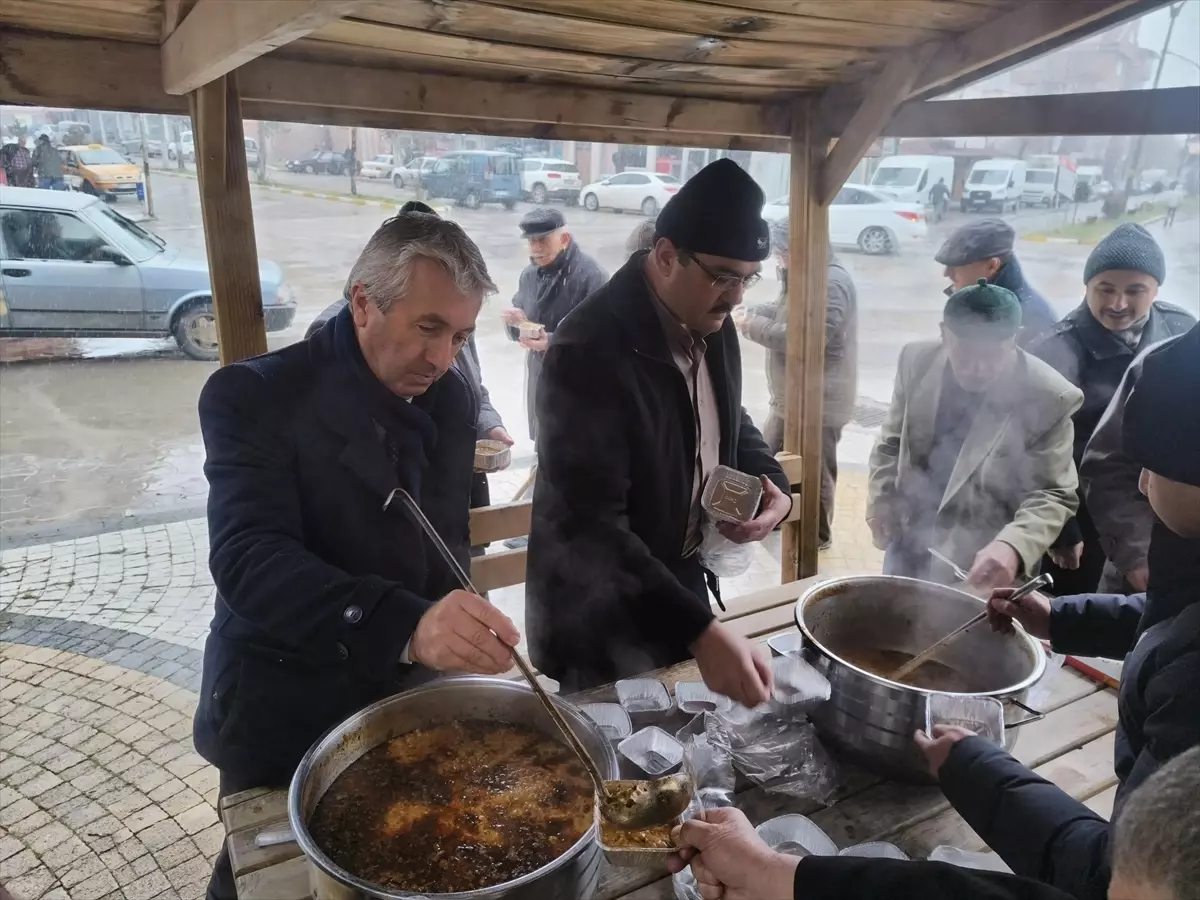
(885, 94)
(218, 36)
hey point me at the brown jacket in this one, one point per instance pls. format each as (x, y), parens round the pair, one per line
(1014, 479)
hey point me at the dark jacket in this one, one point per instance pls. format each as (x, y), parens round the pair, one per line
(46, 161)
(546, 294)
(1094, 359)
(857, 878)
(1108, 478)
(318, 588)
(1036, 314)
(1040, 831)
(608, 594)
(767, 325)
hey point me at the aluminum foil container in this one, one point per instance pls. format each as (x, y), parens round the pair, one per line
(653, 751)
(796, 836)
(790, 643)
(492, 456)
(610, 718)
(875, 850)
(694, 697)
(982, 715)
(799, 688)
(730, 495)
(643, 695)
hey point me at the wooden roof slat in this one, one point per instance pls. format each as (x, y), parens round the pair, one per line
(131, 23)
(947, 15)
(724, 21)
(518, 29)
(414, 43)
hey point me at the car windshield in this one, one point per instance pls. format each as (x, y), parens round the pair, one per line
(102, 157)
(890, 176)
(135, 235)
(1038, 176)
(501, 165)
(988, 176)
(562, 167)
(382, 159)
(668, 179)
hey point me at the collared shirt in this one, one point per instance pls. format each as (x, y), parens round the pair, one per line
(687, 351)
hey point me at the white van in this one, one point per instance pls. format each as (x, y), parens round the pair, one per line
(909, 179)
(994, 184)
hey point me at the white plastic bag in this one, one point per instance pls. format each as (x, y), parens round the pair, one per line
(721, 556)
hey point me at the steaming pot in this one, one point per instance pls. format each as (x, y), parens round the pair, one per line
(872, 719)
(575, 874)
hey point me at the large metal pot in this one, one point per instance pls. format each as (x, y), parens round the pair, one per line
(873, 719)
(575, 874)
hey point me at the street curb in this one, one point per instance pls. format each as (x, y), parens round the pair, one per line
(1046, 239)
(318, 195)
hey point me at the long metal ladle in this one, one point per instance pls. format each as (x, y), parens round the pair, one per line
(627, 804)
(1041, 581)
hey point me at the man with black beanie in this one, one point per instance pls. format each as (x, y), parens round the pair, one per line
(640, 400)
(1040, 831)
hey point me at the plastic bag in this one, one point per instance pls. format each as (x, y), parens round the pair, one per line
(711, 768)
(780, 755)
(721, 556)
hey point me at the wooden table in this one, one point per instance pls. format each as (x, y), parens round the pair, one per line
(1072, 747)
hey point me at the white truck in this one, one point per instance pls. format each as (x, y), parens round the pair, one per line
(994, 185)
(1049, 182)
(909, 179)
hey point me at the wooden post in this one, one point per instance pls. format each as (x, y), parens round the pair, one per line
(807, 273)
(141, 120)
(228, 218)
(353, 159)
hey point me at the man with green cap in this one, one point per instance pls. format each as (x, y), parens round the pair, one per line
(974, 460)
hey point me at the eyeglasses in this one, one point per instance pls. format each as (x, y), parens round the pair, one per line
(723, 281)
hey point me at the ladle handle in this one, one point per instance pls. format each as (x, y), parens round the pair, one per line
(465, 580)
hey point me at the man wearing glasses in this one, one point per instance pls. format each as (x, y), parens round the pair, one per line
(640, 399)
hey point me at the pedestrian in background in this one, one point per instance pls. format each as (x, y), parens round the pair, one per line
(18, 163)
(984, 249)
(1173, 198)
(48, 165)
(1092, 347)
(766, 324)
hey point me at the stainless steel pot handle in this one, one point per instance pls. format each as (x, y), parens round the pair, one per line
(1034, 715)
(274, 837)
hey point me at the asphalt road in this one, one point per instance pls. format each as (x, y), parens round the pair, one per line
(93, 441)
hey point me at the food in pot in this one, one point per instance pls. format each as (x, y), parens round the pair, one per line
(931, 676)
(656, 838)
(455, 807)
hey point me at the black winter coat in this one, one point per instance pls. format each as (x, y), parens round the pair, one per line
(1037, 316)
(858, 878)
(318, 588)
(608, 593)
(1040, 831)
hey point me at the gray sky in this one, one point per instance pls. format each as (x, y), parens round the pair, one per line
(1185, 41)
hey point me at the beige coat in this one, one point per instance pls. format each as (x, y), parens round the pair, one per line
(1014, 479)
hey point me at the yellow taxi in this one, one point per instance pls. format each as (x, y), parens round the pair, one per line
(100, 170)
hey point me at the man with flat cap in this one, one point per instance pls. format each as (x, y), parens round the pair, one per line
(640, 400)
(558, 277)
(984, 249)
(974, 459)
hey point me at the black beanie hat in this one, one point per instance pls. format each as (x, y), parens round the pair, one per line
(1128, 246)
(719, 211)
(1158, 432)
(983, 310)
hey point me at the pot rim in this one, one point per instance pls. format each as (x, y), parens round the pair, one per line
(317, 857)
(1033, 645)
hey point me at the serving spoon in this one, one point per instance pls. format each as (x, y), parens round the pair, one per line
(628, 804)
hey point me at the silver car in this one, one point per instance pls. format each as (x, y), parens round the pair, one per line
(71, 266)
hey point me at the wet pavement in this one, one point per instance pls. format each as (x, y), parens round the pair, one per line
(92, 444)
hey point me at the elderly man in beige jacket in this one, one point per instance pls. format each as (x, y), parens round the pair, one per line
(974, 459)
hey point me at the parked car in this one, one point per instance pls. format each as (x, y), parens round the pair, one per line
(995, 184)
(186, 143)
(70, 266)
(550, 179)
(378, 166)
(472, 177)
(327, 162)
(413, 171)
(644, 191)
(251, 152)
(1049, 185)
(99, 170)
(132, 147)
(862, 217)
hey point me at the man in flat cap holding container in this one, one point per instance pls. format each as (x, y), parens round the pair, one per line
(640, 400)
(974, 459)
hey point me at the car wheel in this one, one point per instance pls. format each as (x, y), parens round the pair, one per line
(398, 182)
(539, 194)
(875, 241)
(962, 206)
(573, 200)
(509, 204)
(649, 207)
(89, 188)
(592, 202)
(310, 169)
(471, 201)
(196, 332)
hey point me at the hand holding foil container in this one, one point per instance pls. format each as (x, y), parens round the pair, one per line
(731, 496)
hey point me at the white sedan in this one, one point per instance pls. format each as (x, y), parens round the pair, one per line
(860, 217)
(378, 166)
(647, 192)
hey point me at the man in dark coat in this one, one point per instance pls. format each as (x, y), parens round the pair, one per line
(558, 277)
(1040, 831)
(984, 249)
(767, 325)
(641, 399)
(1091, 347)
(327, 599)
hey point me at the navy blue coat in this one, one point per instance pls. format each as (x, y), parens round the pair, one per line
(318, 588)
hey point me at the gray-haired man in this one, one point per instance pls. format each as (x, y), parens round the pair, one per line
(326, 600)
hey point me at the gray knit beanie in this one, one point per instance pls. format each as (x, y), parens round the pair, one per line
(1128, 246)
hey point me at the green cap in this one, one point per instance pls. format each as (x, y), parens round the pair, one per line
(983, 310)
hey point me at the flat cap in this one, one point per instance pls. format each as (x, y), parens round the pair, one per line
(1128, 246)
(719, 212)
(1157, 432)
(978, 240)
(983, 310)
(541, 221)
